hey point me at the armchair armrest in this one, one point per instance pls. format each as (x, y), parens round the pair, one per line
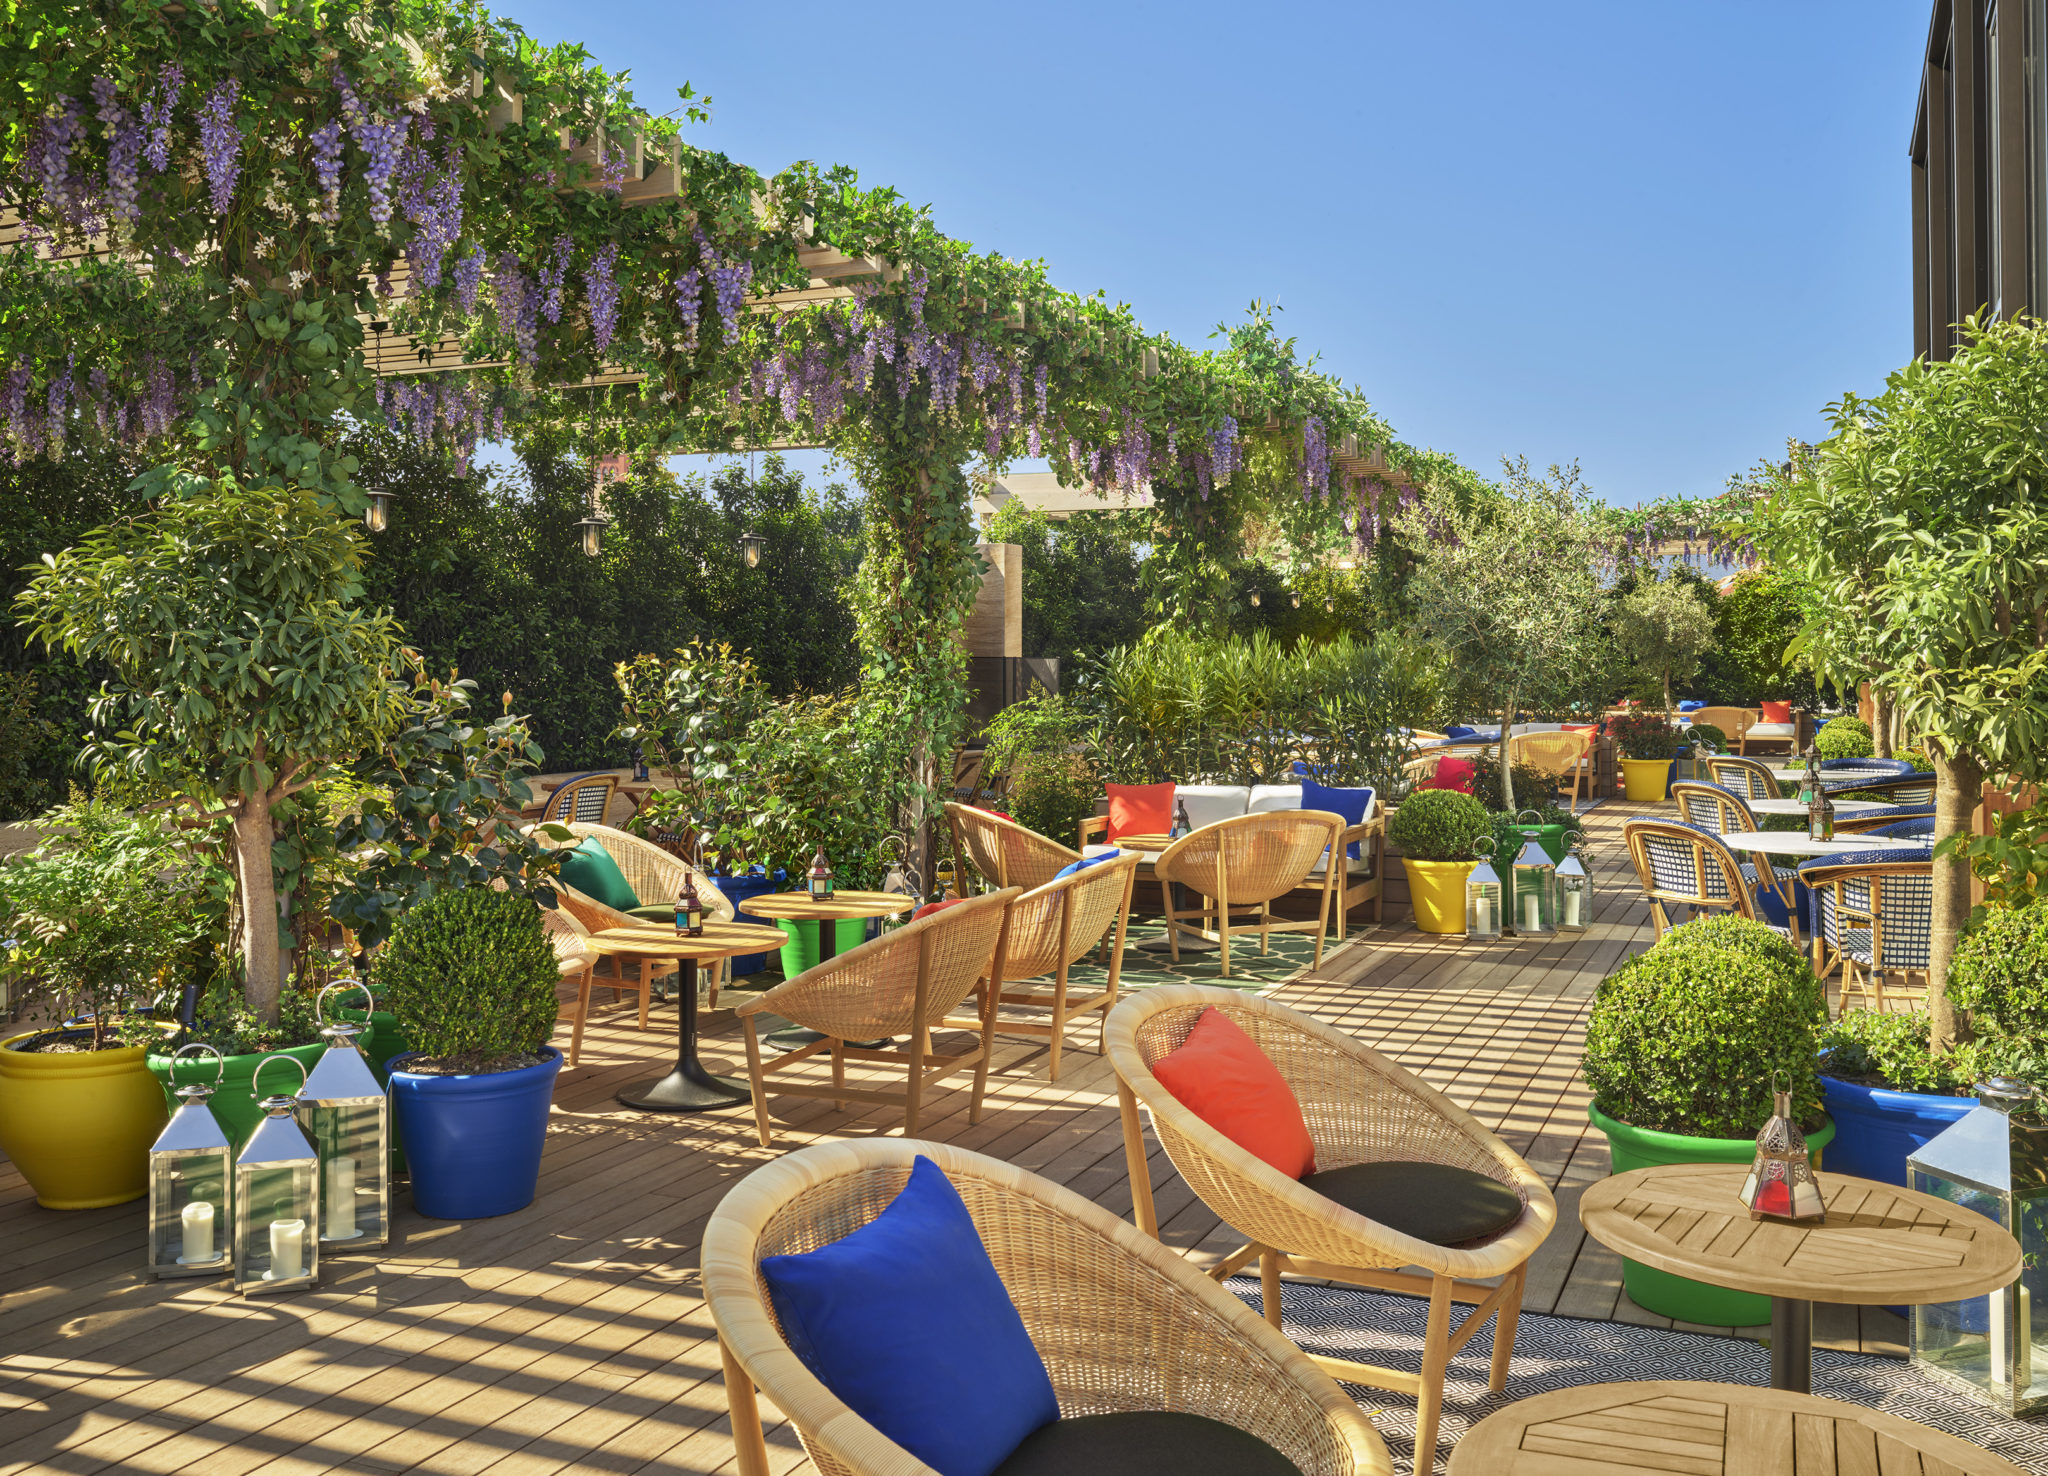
(1095, 825)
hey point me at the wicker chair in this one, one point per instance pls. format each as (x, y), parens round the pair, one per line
(1360, 1108)
(1242, 864)
(903, 983)
(1723, 811)
(1864, 822)
(1688, 866)
(1734, 721)
(1121, 1323)
(1873, 916)
(1051, 928)
(582, 799)
(1561, 755)
(1748, 777)
(1003, 852)
(576, 961)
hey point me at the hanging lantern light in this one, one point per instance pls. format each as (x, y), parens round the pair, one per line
(377, 516)
(1330, 606)
(191, 1170)
(1482, 893)
(1535, 881)
(277, 1199)
(1574, 893)
(348, 1116)
(592, 529)
(1781, 1185)
(821, 875)
(1296, 599)
(751, 545)
(1257, 598)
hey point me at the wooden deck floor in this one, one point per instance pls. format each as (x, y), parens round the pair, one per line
(570, 1336)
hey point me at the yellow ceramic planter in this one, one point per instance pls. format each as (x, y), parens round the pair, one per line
(1647, 779)
(1436, 890)
(79, 1124)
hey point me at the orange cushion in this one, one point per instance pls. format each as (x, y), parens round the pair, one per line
(1579, 728)
(1220, 1074)
(1140, 809)
(1451, 773)
(1777, 712)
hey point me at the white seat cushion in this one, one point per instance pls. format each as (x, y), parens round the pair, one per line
(1536, 728)
(1097, 848)
(1770, 730)
(1351, 868)
(1208, 803)
(1274, 797)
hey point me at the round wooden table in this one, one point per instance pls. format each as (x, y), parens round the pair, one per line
(1709, 1430)
(827, 913)
(688, 1088)
(1879, 1243)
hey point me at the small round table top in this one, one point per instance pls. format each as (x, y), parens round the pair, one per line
(803, 907)
(1879, 1243)
(1798, 843)
(720, 940)
(1708, 1429)
(1142, 842)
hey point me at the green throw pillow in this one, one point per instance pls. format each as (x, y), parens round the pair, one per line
(590, 870)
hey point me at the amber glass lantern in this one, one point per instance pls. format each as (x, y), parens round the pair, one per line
(1781, 1185)
(191, 1170)
(347, 1115)
(277, 1199)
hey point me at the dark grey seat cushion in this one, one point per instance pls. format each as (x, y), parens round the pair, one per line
(1144, 1443)
(1435, 1202)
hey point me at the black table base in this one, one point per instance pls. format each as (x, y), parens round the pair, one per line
(688, 1088)
(1792, 1345)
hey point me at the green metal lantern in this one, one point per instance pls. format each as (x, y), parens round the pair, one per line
(191, 1177)
(277, 1199)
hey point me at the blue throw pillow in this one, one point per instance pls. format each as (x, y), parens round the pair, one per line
(1350, 803)
(906, 1321)
(1084, 863)
(1690, 706)
(1457, 730)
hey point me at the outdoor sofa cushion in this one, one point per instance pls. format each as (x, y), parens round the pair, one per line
(907, 1322)
(590, 869)
(1770, 730)
(1775, 712)
(1451, 773)
(930, 907)
(1220, 1074)
(1355, 805)
(1436, 1202)
(1144, 1442)
(1267, 797)
(1208, 803)
(1139, 809)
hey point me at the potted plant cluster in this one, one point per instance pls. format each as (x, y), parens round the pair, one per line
(1682, 1047)
(1649, 749)
(1434, 830)
(471, 977)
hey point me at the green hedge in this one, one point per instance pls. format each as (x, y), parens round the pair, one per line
(2000, 973)
(471, 976)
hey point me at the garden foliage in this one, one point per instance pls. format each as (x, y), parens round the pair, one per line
(471, 977)
(1439, 825)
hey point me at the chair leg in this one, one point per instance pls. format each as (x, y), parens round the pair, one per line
(1059, 1024)
(582, 1014)
(749, 1442)
(839, 1070)
(1223, 932)
(1436, 1357)
(1135, 1162)
(920, 1047)
(1266, 930)
(1505, 1322)
(988, 1049)
(1269, 1284)
(757, 1081)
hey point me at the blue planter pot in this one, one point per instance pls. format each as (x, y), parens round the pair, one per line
(738, 889)
(1876, 1128)
(474, 1142)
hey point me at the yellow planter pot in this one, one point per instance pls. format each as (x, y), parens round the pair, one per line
(79, 1124)
(1648, 780)
(1436, 890)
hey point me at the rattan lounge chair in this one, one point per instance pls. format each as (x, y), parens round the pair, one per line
(1685, 865)
(1561, 755)
(1240, 865)
(1361, 1108)
(576, 962)
(903, 983)
(1122, 1323)
(1004, 853)
(1874, 918)
(1734, 722)
(1051, 928)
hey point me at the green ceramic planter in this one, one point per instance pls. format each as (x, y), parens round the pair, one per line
(801, 951)
(1660, 1291)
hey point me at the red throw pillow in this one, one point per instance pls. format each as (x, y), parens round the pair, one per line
(1451, 773)
(1579, 728)
(1140, 809)
(1220, 1074)
(930, 907)
(1777, 712)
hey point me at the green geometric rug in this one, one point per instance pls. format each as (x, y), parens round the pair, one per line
(1249, 970)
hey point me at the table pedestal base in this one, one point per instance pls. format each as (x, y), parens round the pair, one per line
(687, 1089)
(1792, 1345)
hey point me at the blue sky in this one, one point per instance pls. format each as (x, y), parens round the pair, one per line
(1656, 237)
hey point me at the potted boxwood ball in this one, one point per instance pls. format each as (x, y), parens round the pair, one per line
(1681, 1048)
(1649, 748)
(1434, 829)
(471, 978)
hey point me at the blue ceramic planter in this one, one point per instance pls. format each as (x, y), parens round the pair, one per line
(738, 889)
(1876, 1128)
(474, 1142)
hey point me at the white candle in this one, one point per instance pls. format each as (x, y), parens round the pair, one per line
(1571, 909)
(198, 1246)
(1532, 912)
(287, 1250)
(341, 1198)
(1482, 914)
(2021, 1371)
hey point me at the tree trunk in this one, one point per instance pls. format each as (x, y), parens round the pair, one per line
(262, 975)
(1668, 709)
(1507, 768)
(1958, 789)
(1881, 723)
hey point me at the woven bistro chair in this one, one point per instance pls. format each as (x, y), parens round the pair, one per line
(1909, 786)
(1561, 755)
(1873, 917)
(1751, 778)
(1051, 928)
(904, 983)
(1864, 822)
(576, 961)
(1723, 811)
(1122, 1323)
(1241, 865)
(1360, 1108)
(581, 799)
(1002, 852)
(1684, 865)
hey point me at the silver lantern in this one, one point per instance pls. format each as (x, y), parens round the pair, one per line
(191, 1173)
(1482, 893)
(348, 1116)
(1574, 893)
(1535, 880)
(277, 1199)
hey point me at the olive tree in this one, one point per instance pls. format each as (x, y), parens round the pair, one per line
(1926, 511)
(1666, 625)
(242, 666)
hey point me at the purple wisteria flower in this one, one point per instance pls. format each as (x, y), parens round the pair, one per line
(601, 292)
(551, 277)
(220, 143)
(124, 151)
(1315, 458)
(689, 304)
(469, 276)
(157, 114)
(327, 168)
(55, 134)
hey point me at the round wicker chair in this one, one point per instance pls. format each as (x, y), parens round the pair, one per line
(1241, 865)
(1122, 1323)
(1561, 755)
(1004, 853)
(575, 961)
(1360, 1108)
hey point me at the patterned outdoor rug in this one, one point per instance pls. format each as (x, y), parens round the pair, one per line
(1562, 1352)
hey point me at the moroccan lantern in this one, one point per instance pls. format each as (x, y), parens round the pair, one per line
(1781, 1185)
(821, 876)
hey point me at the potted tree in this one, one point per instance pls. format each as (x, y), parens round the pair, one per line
(1649, 745)
(1434, 830)
(1665, 626)
(96, 920)
(471, 977)
(1682, 1047)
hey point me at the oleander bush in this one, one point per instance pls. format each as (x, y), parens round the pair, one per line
(471, 976)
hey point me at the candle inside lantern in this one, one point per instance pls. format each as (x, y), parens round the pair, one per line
(1532, 913)
(198, 1243)
(341, 1198)
(1571, 909)
(1482, 913)
(287, 1250)
(2019, 1371)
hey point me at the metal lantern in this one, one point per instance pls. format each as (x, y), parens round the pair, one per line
(1535, 879)
(899, 879)
(1295, 599)
(191, 1170)
(348, 1116)
(1257, 599)
(377, 516)
(277, 1199)
(592, 529)
(1482, 893)
(1993, 1160)
(1781, 1185)
(639, 764)
(751, 545)
(1574, 893)
(821, 875)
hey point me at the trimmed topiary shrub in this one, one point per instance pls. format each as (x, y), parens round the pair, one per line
(1845, 737)
(1687, 1037)
(471, 976)
(1438, 825)
(2000, 973)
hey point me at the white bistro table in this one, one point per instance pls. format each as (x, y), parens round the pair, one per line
(1839, 776)
(1792, 843)
(1791, 806)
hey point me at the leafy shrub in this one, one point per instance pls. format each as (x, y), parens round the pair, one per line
(1534, 789)
(1644, 735)
(2000, 973)
(1708, 734)
(1891, 1049)
(1845, 737)
(1687, 1037)
(471, 977)
(1049, 786)
(2012, 864)
(1438, 825)
(25, 738)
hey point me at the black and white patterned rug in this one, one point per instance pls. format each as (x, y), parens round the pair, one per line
(1563, 1352)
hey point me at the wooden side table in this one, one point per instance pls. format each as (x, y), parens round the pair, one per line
(1708, 1430)
(1879, 1243)
(688, 1088)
